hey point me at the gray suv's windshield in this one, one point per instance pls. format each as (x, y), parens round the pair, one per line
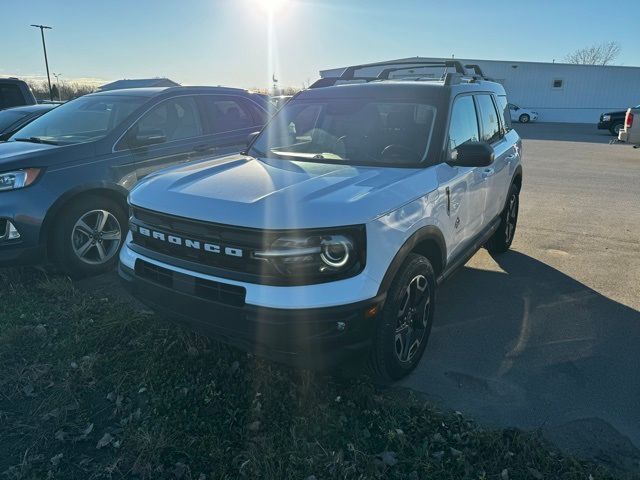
(82, 120)
(358, 131)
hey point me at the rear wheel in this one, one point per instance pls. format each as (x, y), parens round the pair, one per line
(88, 235)
(615, 129)
(524, 118)
(502, 238)
(404, 325)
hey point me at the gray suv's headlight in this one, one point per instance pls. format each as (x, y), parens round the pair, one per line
(317, 255)
(18, 178)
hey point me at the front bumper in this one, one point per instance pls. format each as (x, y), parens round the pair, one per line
(604, 125)
(315, 338)
(25, 209)
(17, 253)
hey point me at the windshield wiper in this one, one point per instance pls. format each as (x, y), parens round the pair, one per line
(301, 156)
(36, 140)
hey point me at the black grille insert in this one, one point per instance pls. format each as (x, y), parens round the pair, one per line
(205, 289)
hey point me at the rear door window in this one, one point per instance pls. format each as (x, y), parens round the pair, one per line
(175, 119)
(488, 119)
(464, 122)
(228, 114)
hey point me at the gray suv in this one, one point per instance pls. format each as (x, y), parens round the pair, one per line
(64, 178)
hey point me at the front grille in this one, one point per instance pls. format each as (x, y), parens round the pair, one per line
(206, 289)
(231, 248)
(226, 251)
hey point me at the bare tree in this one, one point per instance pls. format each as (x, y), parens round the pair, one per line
(67, 90)
(602, 54)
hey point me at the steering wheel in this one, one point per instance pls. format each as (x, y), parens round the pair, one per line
(395, 151)
(340, 142)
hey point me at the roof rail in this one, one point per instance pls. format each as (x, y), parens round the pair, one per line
(478, 71)
(349, 73)
(384, 75)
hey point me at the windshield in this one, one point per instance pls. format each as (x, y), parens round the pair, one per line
(82, 120)
(358, 131)
(9, 117)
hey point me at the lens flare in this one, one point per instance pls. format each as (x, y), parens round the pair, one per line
(271, 6)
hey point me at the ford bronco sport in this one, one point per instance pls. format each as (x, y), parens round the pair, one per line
(329, 235)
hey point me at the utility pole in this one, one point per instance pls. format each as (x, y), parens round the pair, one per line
(46, 62)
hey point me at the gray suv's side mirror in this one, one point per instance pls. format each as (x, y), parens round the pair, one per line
(473, 154)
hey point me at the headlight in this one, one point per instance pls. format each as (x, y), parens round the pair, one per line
(316, 256)
(606, 118)
(18, 178)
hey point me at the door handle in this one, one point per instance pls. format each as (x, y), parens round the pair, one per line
(508, 158)
(487, 172)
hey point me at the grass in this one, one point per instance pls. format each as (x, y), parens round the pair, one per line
(91, 389)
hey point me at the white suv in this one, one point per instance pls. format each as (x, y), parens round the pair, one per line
(328, 237)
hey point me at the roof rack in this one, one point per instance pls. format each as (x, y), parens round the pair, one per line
(349, 73)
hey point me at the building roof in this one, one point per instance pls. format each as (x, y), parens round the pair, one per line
(139, 83)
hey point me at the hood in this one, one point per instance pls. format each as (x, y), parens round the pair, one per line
(278, 194)
(26, 154)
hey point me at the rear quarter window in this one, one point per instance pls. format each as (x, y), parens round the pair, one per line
(503, 111)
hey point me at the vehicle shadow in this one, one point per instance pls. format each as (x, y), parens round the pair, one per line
(533, 348)
(564, 132)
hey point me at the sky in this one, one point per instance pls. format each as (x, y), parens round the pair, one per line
(243, 43)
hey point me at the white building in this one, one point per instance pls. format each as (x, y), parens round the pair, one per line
(559, 92)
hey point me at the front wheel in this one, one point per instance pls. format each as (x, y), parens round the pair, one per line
(88, 236)
(524, 118)
(404, 325)
(502, 238)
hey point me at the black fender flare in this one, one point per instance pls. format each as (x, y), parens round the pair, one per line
(114, 189)
(428, 232)
(516, 174)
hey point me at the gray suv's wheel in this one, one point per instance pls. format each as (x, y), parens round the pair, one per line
(405, 322)
(524, 118)
(88, 236)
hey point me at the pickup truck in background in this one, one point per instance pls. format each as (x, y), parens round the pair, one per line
(612, 121)
(631, 131)
(15, 93)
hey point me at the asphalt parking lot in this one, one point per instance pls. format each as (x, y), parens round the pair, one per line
(547, 336)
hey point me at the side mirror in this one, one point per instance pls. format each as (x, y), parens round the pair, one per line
(473, 154)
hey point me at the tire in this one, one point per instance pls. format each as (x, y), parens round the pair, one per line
(91, 247)
(524, 118)
(407, 317)
(615, 129)
(502, 238)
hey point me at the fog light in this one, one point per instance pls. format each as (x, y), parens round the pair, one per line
(13, 232)
(8, 231)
